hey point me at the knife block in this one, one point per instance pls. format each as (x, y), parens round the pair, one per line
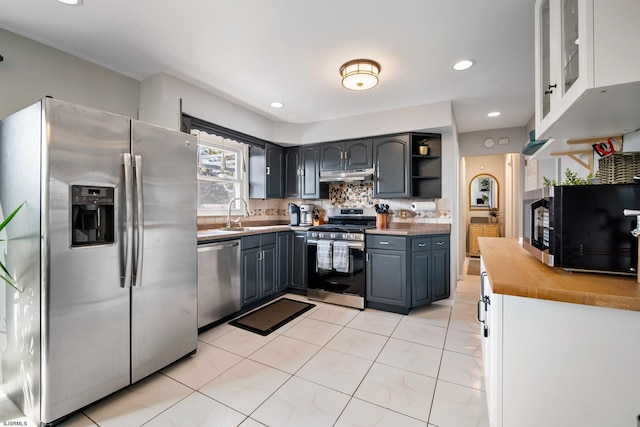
(381, 220)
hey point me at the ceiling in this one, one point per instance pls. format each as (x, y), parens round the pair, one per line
(253, 52)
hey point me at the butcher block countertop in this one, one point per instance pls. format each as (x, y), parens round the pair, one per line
(513, 271)
(411, 229)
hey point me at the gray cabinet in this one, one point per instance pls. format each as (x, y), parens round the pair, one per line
(266, 168)
(258, 259)
(299, 261)
(352, 154)
(429, 269)
(439, 279)
(283, 259)
(302, 176)
(387, 286)
(406, 272)
(391, 160)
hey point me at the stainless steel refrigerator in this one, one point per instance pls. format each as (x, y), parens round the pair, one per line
(105, 249)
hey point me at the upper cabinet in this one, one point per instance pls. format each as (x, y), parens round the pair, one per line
(391, 161)
(426, 165)
(587, 75)
(345, 155)
(265, 172)
(302, 176)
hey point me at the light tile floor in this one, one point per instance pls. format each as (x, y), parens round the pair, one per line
(332, 366)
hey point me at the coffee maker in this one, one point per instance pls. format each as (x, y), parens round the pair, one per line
(306, 214)
(294, 214)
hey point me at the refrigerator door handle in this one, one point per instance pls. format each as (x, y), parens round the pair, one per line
(140, 222)
(128, 194)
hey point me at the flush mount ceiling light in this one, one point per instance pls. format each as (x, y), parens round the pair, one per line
(360, 74)
(277, 104)
(465, 64)
(71, 2)
(494, 114)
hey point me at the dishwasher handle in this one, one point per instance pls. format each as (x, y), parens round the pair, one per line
(218, 246)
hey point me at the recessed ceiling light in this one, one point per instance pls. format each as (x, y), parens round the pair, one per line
(494, 114)
(71, 2)
(465, 64)
(277, 104)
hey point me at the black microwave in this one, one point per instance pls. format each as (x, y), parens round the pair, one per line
(582, 227)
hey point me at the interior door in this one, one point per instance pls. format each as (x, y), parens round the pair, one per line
(164, 304)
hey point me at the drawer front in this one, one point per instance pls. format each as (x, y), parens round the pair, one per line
(386, 242)
(268, 239)
(439, 242)
(249, 242)
(421, 244)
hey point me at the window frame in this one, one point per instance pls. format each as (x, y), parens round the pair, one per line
(242, 180)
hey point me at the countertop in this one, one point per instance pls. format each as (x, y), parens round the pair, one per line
(513, 271)
(214, 234)
(415, 230)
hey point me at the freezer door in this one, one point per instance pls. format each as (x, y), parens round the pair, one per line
(164, 300)
(85, 309)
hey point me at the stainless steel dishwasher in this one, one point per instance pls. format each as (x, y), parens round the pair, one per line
(219, 292)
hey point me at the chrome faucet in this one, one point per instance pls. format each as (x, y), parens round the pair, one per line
(246, 210)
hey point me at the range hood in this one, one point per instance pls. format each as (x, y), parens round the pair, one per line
(534, 144)
(352, 175)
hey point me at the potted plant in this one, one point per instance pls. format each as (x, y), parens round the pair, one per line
(5, 275)
(494, 213)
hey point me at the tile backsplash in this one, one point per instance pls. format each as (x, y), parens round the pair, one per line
(348, 195)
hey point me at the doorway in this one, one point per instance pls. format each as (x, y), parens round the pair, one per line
(490, 185)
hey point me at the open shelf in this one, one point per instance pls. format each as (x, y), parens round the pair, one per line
(426, 170)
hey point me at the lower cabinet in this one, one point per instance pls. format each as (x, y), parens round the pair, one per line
(283, 259)
(298, 269)
(387, 273)
(557, 364)
(406, 272)
(259, 272)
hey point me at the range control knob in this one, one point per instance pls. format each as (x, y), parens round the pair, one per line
(314, 234)
(345, 236)
(320, 235)
(333, 235)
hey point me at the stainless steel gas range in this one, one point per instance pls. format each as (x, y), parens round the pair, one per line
(336, 257)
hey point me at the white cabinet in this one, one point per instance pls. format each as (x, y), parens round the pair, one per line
(550, 363)
(587, 68)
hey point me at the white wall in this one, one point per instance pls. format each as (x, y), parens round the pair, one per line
(471, 143)
(431, 117)
(30, 71)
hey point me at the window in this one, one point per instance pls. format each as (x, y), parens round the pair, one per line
(221, 173)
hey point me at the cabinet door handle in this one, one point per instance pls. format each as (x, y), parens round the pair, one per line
(268, 170)
(479, 309)
(384, 243)
(367, 256)
(260, 255)
(422, 245)
(439, 243)
(550, 91)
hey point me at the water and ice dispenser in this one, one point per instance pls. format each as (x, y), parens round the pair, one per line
(92, 215)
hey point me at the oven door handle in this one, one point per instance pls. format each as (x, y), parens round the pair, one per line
(352, 245)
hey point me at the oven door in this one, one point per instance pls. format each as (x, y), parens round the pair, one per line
(342, 273)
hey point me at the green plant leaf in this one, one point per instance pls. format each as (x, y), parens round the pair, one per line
(8, 278)
(10, 217)
(10, 282)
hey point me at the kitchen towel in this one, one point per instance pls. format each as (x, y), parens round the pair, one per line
(423, 206)
(323, 255)
(341, 256)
